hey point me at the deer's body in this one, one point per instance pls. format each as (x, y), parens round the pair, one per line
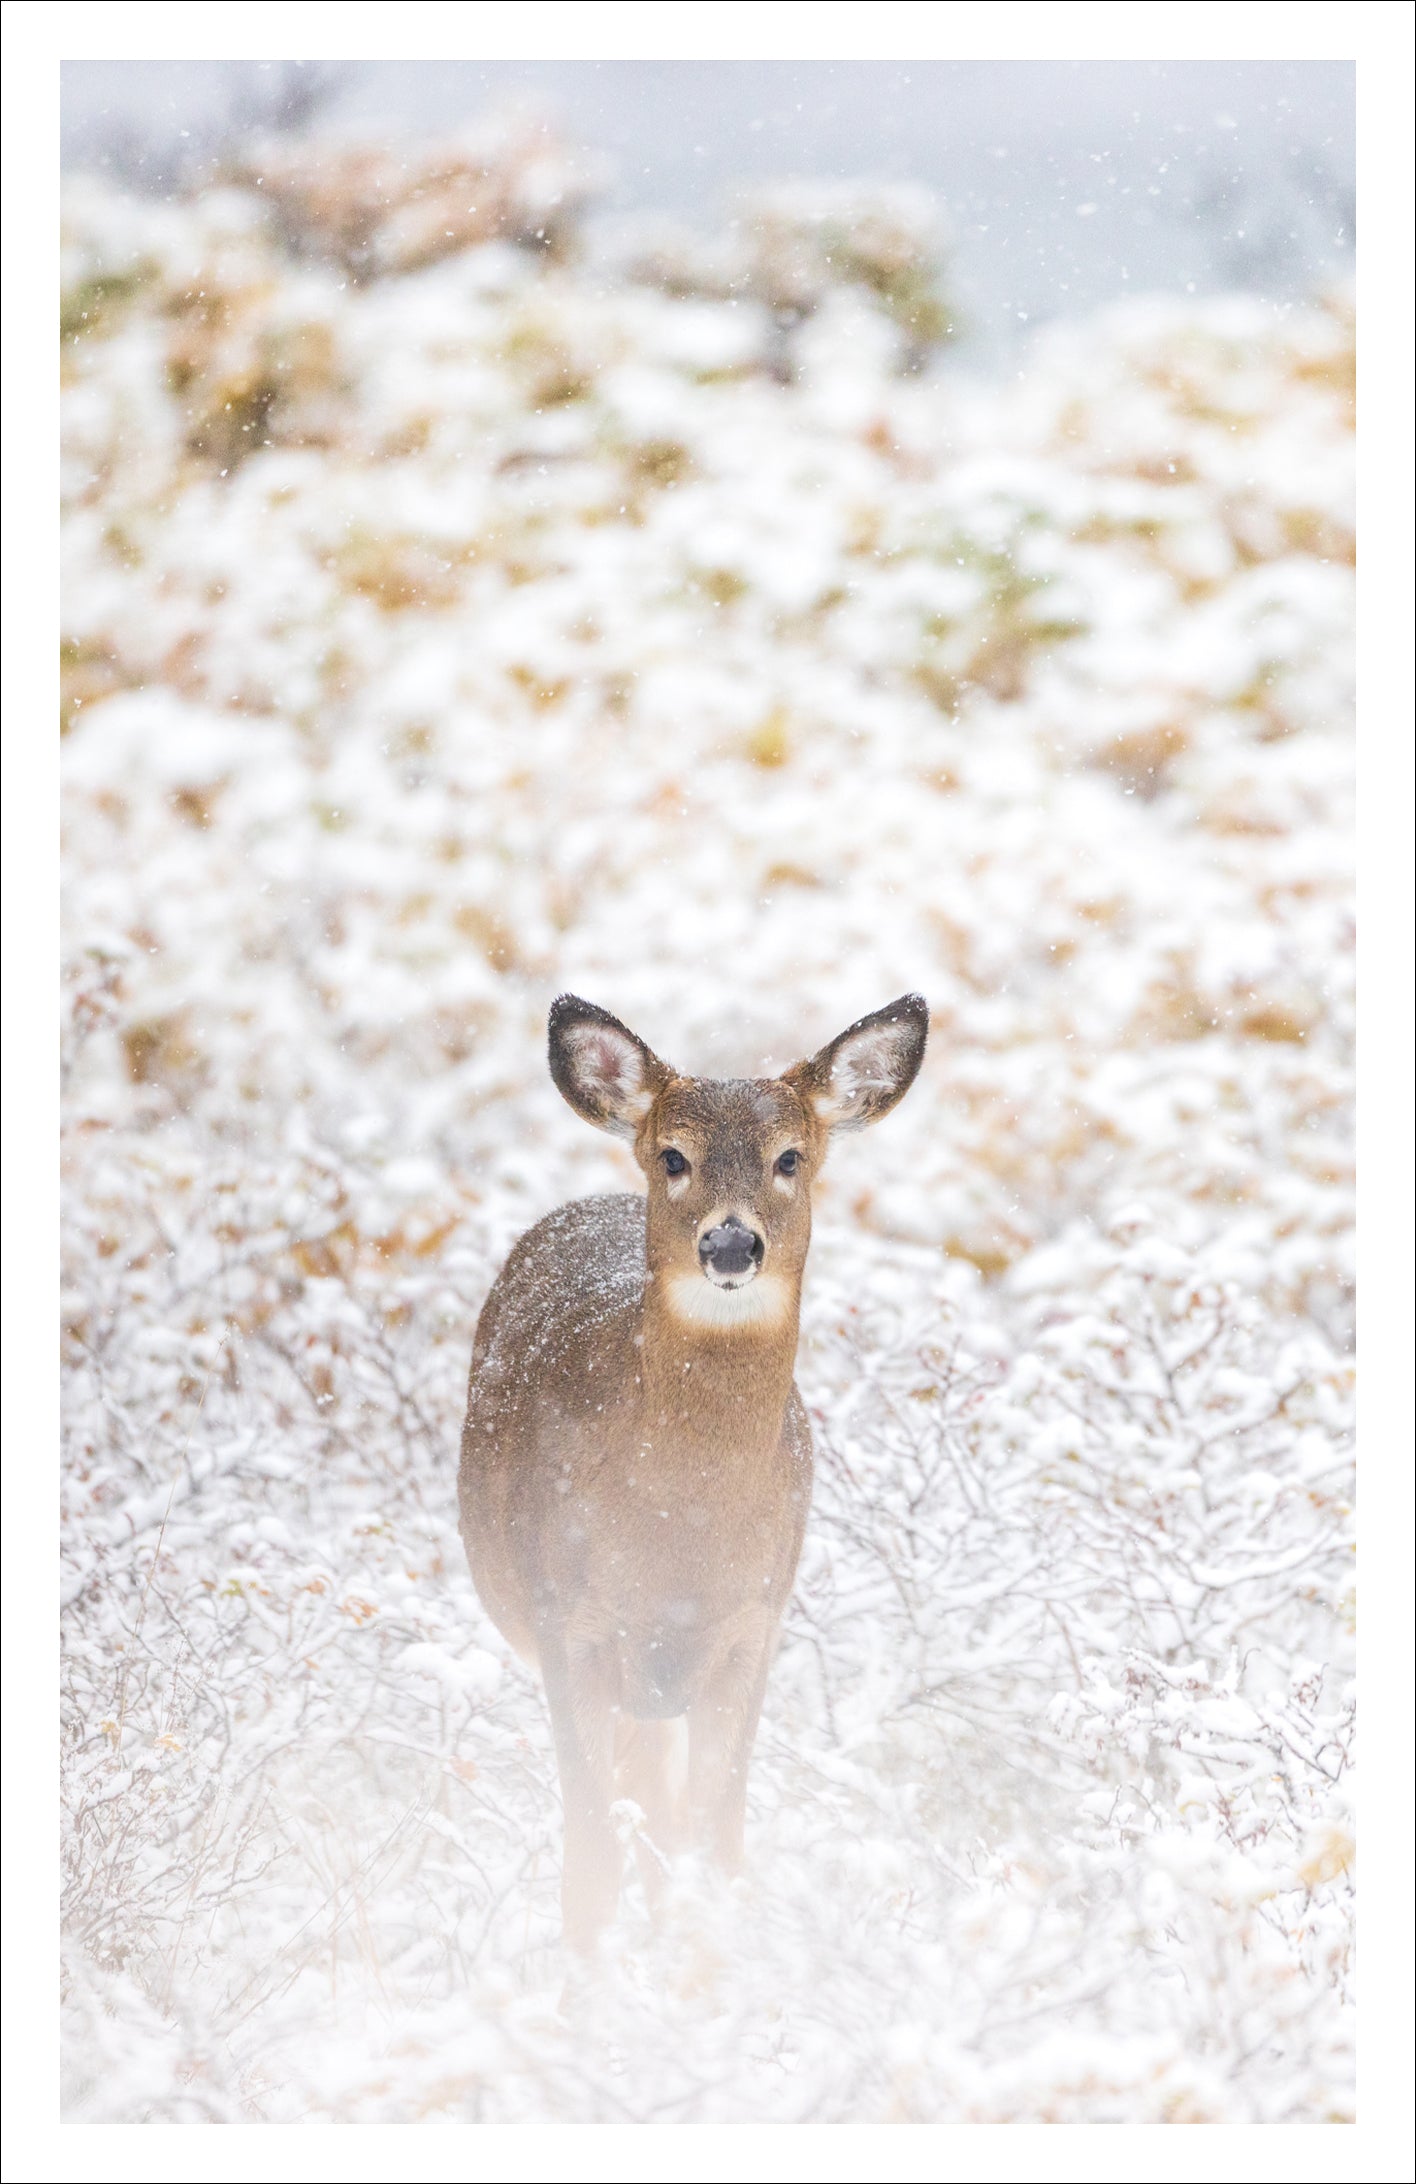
(643, 1482)
(636, 1462)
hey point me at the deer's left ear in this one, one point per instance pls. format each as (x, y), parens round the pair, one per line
(869, 1068)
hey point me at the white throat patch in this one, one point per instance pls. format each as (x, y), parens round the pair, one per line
(762, 1302)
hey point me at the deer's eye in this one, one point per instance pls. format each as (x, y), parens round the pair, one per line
(788, 1163)
(674, 1162)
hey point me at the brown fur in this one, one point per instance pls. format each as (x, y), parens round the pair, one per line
(636, 1462)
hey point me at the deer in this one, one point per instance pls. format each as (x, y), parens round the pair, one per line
(636, 1462)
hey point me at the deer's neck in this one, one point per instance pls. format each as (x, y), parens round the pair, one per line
(717, 1368)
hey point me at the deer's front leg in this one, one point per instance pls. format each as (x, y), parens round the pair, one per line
(579, 1693)
(722, 1724)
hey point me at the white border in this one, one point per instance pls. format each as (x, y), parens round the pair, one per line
(1378, 34)
(715, 29)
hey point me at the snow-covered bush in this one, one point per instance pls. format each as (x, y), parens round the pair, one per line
(379, 208)
(495, 623)
(795, 247)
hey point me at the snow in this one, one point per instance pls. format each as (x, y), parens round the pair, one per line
(495, 624)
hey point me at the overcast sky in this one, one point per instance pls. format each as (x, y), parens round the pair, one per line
(1067, 182)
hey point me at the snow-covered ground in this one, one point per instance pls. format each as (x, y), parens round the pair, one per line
(448, 622)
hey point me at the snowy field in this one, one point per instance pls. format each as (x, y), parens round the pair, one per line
(450, 620)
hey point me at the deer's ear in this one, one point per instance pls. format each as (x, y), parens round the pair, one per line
(607, 1075)
(869, 1068)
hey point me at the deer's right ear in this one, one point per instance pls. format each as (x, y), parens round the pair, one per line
(607, 1075)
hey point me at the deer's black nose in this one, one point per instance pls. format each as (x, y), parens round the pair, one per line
(731, 1248)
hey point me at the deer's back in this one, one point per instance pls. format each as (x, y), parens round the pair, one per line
(554, 1369)
(556, 1341)
(572, 1287)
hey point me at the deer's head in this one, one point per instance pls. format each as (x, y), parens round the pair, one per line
(730, 1162)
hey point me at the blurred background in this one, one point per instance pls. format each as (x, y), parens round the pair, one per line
(737, 542)
(1065, 183)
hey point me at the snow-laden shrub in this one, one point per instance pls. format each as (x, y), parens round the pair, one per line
(791, 247)
(376, 208)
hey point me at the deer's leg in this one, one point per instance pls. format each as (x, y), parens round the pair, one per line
(580, 1694)
(647, 1763)
(722, 1725)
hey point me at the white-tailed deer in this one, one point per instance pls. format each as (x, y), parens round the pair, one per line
(636, 1461)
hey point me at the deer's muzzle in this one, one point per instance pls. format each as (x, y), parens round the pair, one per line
(731, 1253)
